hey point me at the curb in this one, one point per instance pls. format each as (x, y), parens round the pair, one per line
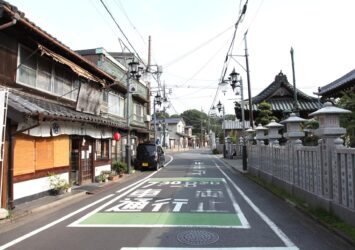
(16, 216)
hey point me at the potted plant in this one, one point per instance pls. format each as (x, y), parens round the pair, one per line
(113, 176)
(120, 167)
(57, 184)
(103, 177)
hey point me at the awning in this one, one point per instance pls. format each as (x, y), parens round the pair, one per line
(76, 68)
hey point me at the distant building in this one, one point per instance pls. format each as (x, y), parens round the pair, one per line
(175, 132)
(280, 94)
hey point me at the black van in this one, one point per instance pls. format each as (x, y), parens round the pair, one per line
(149, 155)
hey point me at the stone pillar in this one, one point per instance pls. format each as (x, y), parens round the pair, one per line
(260, 134)
(294, 134)
(293, 126)
(329, 131)
(274, 132)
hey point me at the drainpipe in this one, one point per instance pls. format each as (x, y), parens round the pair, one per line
(11, 23)
(10, 173)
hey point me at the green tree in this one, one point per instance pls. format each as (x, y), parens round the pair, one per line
(162, 114)
(347, 101)
(265, 114)
(196, 119)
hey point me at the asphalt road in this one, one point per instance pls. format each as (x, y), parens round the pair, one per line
(194, 202)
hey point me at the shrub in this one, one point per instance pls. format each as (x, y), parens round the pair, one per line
(56, 183)
(215, 151)
(119, 167)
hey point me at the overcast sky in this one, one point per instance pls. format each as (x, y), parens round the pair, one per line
(190, 39)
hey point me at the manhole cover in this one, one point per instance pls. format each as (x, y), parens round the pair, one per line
(197, 237)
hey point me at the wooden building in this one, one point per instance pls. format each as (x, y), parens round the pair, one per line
(280, 94)
(335, 88)
(57, 119)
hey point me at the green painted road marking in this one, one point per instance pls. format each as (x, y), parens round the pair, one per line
(129, 210)
(166, 219)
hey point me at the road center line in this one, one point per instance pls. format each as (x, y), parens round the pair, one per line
(268, 221)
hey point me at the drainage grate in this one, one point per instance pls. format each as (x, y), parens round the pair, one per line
(197, 237)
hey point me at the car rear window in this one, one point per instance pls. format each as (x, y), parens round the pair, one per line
(146, 150)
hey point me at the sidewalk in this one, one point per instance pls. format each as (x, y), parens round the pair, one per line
(237, 164)
(50, 201)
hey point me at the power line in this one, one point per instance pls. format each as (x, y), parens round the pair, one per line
(196, 48)
(226, 61)
(118, 26)
(120, 5)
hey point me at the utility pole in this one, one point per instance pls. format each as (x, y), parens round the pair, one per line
(295, 103)
(248, 80)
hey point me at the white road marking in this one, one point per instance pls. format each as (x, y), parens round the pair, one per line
(240, 214)
(268, 221)
(209, 248)
(138, 184)
(125, 188)
(34, 232)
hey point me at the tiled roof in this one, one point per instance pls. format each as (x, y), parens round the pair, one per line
(287, 104)
(339, 84)
(280, 81)
(34, 106)
(53, 41)
(281, 103)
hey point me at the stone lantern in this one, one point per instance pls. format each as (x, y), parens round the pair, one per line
(293, 125)
(329, 131)
(328, 117)
(250, 134)
(273, 135)
(260, 134)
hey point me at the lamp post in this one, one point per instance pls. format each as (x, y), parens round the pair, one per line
(157, 101)
(220, 108)
(236, 83)
(133, 72)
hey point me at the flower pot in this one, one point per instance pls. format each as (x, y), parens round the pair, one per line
(56, 191)
(113, 177)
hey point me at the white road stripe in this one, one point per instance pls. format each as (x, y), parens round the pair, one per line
(138, 184)
(269, 222)
(209, 248)
(30, 234)
(125, 188)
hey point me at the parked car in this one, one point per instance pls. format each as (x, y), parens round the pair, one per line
(149, 156)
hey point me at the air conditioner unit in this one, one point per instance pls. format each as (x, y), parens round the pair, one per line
(132, 88)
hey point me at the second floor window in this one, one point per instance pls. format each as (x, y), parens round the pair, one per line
(115, 104)
(138, 112)
(41, 73)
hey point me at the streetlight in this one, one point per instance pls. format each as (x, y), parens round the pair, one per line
(157, 101)
(220, 108)
(236, 83)
(133, 72)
